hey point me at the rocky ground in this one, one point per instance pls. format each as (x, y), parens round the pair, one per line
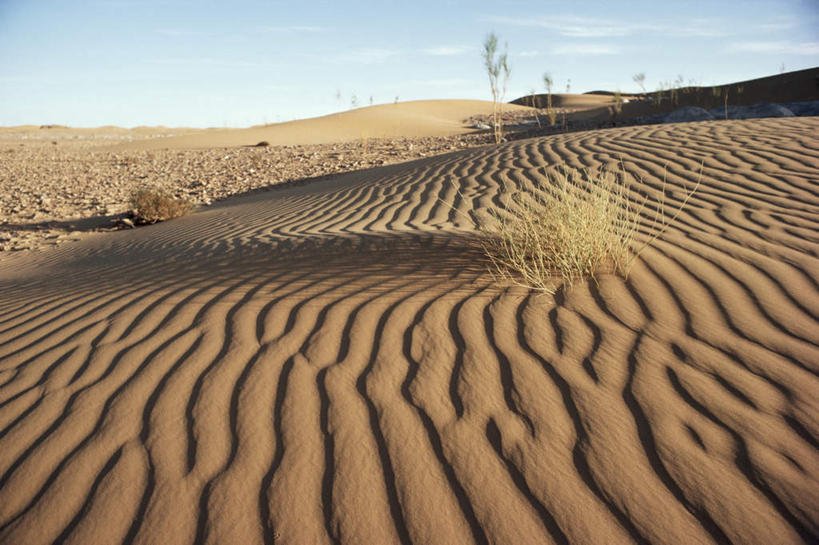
(54, 190)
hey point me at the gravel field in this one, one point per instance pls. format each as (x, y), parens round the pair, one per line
(54, 188)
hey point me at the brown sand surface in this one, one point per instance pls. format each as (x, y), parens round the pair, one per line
(403, 119)
(330, 362)
(50, 194)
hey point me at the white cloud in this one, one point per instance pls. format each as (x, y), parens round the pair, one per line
(576, 27)
(775, 27)
(119, 4)
(529, 53)
(777, 24)
(572, 26)
(367, 55)
(179, 32)
(447, 51)
(585, 49)
(292, 28)
(207, 61)
(781, 47)
(443, 82)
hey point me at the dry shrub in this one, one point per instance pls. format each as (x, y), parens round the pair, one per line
(576, 226)
(151, 206)
(551, 114)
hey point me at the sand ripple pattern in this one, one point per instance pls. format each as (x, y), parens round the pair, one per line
(328, 363)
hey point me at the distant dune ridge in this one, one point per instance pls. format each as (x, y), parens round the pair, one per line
(789, 87)
(331, 363)
(407, 119)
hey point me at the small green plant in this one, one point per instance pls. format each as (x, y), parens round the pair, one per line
(716, 92)
(616, 108)
(497, 67)
(726, 104)
(640, 79)
(533, 105)
(658, 94)
(577, 225)
(550, 112)
(151, 206)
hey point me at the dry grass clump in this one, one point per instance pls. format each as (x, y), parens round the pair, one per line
(151, 206)
(577, 226)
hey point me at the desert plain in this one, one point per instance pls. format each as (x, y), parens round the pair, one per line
(319, 353)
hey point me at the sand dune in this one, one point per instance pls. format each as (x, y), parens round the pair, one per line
(403, 119)
(797, 86)
(330, 363)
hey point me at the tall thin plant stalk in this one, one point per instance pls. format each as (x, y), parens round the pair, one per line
(498, 69)
(550, 112)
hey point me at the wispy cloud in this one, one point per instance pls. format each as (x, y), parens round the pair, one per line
(775, 27)
(572, 26)
(367, 55)
(206, 61)
(447, 50)
(179, 32)
(443, 82)
(528, 53)
(781, 47)
(118, 3)
(585, 49)
(292, 28)
(575, 27)
(777, 24)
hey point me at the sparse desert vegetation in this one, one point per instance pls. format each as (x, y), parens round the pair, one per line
(574, 225)
(640, 79)
(498, 69)
(155, 205)
(550, 111)
(391, 324)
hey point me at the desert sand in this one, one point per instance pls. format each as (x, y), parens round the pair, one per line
(331, 362)
(421, 118)
(58, 183)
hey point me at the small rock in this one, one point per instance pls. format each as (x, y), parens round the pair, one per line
(688, 113)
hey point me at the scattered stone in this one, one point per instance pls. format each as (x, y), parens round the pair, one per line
(808, 108)
(688, 113)
(41, 186)
(763, 109)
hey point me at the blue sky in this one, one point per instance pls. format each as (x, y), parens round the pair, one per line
(243, 62)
